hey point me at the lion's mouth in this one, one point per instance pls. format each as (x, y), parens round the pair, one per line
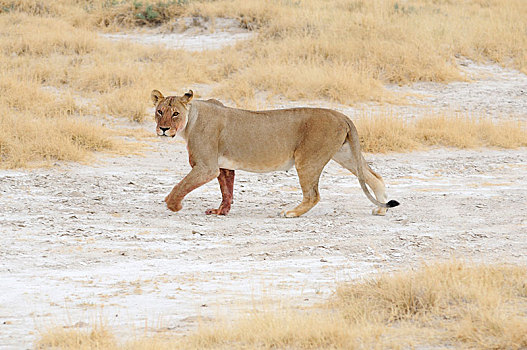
(160, 132)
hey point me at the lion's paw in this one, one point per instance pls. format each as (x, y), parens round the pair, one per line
(174, 206)
(379, 211)
(219, 211)
(289, 213)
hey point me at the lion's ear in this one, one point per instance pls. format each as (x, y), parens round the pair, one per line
(187, 97)
(156, 96)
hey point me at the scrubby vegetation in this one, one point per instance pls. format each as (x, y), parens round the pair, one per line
(440, 305)
(385, 132)
(341, 50)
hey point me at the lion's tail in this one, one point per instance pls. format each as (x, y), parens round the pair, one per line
(353, 140)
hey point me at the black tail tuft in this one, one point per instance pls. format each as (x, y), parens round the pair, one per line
(392, 204)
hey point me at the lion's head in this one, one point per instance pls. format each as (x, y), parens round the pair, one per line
(171, 112)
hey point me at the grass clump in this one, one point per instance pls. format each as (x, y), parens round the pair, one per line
(97, 338)
(438, 305)
(387, 133)
(135, 13)
(37, 126)
(29, 140)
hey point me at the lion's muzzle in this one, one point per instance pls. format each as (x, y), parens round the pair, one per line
(163, 132)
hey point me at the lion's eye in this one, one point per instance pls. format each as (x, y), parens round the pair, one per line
(175, 114)
(160, 112)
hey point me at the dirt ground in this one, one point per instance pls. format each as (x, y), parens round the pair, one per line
(82, 243)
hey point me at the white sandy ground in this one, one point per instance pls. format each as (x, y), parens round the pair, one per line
(198, 35)
(87, 242)
(78, 238)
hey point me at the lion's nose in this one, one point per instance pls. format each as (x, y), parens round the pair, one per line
(164, 129)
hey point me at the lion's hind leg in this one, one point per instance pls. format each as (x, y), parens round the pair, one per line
(309, 183)
(310, 159)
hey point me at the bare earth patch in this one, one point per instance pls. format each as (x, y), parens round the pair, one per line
(490, 90)
(83, 242)
(77, 238)
(195, 37)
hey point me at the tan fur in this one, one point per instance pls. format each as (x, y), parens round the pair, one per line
(264, 141)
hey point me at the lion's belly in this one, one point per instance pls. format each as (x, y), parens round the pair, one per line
(264, 167)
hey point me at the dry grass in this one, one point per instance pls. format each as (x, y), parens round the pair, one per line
(39, 122)
(342, 51)
(52, 76)
(98, 338)
(137, 13)
(37, 127)
(27, 140)
(440, 305)
(388, 133)
(346, 50)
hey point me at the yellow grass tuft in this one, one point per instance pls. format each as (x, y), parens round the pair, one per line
(387, 133)
(97, 338)
(26, 139)
(439, 305)
(467, 132)
(128, 103)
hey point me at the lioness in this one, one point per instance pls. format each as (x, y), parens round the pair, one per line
(222, 139)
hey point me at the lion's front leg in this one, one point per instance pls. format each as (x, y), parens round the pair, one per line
(226, 181)
(198, 176)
